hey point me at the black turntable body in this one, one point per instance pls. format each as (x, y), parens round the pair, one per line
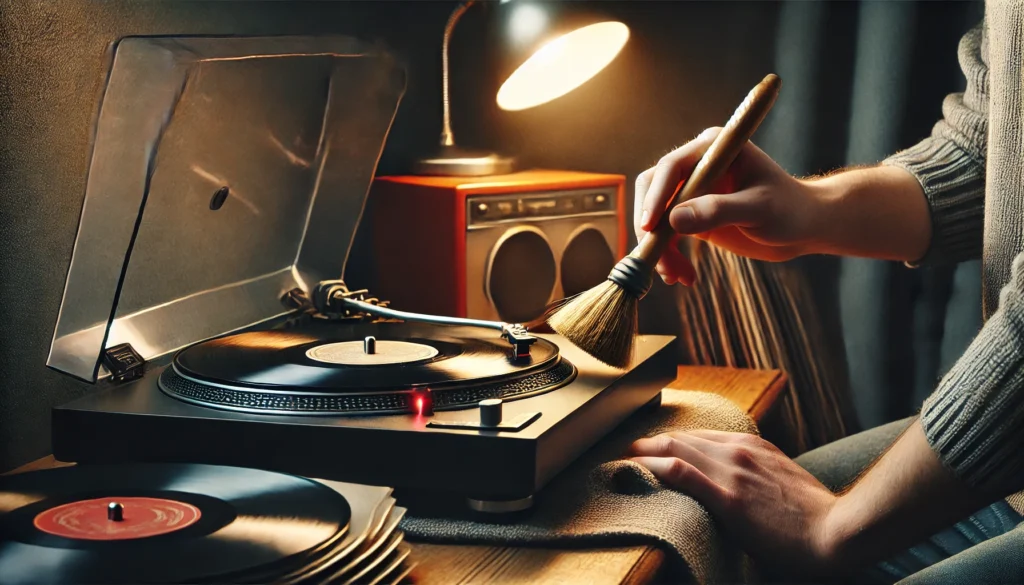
(226, 182)
(437, 440)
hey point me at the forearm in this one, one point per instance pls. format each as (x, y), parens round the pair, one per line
(878, 212)
(907, 496)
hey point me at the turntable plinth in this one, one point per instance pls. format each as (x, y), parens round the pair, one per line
(184, 412)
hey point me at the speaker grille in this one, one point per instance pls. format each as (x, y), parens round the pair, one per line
(521, 275)
(586, 262)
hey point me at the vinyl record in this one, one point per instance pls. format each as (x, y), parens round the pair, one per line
(178, 523)
(332, 357)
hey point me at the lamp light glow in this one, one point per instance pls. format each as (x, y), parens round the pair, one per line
(527, 23)
(562, 65)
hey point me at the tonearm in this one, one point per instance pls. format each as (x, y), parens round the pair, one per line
(333, 298)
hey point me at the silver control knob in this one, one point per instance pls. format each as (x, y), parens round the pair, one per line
(481, 208)
(490, 412)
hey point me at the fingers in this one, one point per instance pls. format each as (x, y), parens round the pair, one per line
(675, 266)
(731, 442)
(717, 436)
(744, 208)
(643, 183)
(703, 215)
(684, 477)
(733, 239)
(669, 172)
(665, 445)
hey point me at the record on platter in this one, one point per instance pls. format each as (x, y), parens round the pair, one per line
(161, 523)
(332, 357)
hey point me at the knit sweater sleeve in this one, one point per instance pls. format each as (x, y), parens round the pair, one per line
(975, 418)
(950, 164)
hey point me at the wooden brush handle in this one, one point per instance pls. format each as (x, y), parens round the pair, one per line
(712, 166)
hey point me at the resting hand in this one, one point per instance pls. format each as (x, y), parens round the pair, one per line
(757, 210)
(769, 504)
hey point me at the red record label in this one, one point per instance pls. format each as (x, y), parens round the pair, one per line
(140, 518)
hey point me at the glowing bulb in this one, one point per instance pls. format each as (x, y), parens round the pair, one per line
(526, 23)
(562, 65)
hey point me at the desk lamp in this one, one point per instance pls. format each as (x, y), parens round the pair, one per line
(561, 62)
(468, 235)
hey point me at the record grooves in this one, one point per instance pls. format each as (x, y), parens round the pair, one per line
(234, 523)
(315, 370)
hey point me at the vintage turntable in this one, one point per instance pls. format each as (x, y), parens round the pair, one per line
(226, 183)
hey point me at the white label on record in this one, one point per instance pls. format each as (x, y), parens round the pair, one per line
(351, 353)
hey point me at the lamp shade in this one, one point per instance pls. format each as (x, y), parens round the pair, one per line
(554, 47)
(563, 64)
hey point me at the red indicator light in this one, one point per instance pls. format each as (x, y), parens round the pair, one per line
(423, 403)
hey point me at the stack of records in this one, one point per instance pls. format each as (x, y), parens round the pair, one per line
(745, 313)
(171, 523)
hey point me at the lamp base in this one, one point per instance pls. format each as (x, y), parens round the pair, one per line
(459, 162)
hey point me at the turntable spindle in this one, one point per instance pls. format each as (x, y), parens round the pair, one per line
(115, 512)
(370, 345)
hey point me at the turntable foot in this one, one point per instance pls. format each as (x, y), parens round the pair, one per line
(500, 506)
(653, 403)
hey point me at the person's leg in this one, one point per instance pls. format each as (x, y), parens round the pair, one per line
(998, 560)
(958, 548)
(955, 551)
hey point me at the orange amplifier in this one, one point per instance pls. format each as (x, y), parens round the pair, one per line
(497, 247)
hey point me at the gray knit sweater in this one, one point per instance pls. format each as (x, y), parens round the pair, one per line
(972, 171)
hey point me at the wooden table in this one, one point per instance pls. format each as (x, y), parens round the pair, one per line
(755, 391)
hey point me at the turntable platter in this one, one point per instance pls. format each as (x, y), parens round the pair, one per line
(329, 368)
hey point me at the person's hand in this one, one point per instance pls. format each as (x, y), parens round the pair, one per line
(757, 210)
(774, 508)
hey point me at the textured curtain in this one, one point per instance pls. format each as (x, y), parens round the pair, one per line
(903, 328)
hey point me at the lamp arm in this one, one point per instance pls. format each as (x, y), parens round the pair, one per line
(447, 138)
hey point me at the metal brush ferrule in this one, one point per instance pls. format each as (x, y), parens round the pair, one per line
(633, 275)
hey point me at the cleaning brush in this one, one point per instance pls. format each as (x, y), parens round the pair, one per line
(603, 320)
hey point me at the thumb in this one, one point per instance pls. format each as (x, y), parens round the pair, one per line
(709, 212)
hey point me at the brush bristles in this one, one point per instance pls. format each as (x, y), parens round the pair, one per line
(602, 322)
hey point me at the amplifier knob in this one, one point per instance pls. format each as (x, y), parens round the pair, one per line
(490, 412)
(482, 208)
